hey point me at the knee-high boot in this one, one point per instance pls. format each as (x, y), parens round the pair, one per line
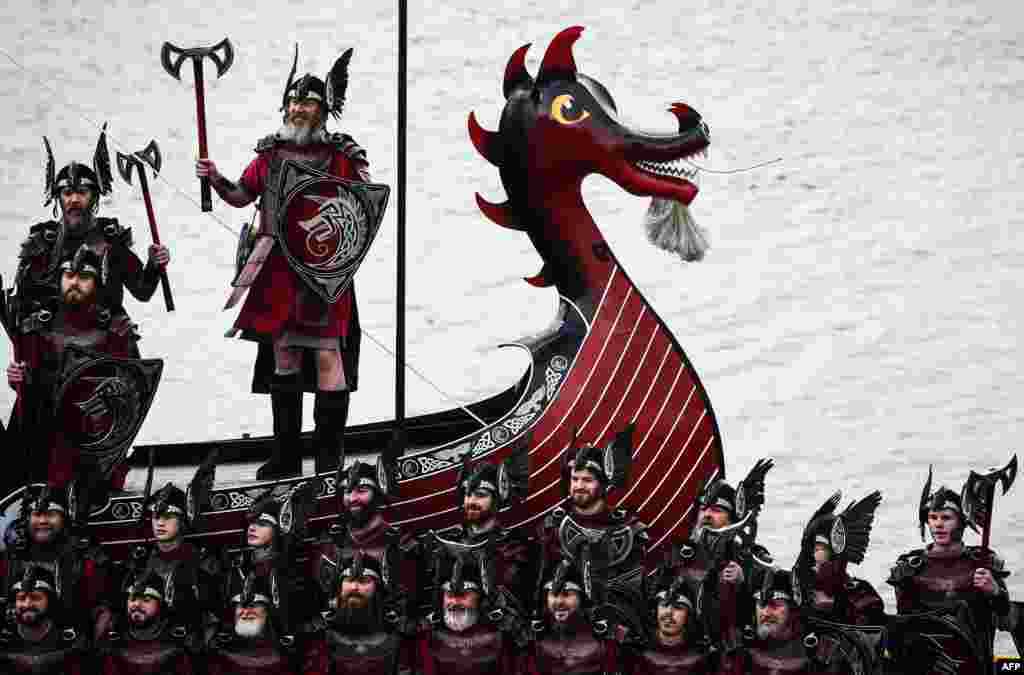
(330, 414)
(286, 450)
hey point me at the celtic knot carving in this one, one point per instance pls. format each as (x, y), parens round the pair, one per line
(240, 500)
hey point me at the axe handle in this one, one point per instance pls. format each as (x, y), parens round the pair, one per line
(164, 283)
(986, 527)
(204, 182)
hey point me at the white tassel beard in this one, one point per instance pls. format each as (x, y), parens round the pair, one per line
(671, 227)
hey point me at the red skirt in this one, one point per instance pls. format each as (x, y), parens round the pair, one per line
(278, 301)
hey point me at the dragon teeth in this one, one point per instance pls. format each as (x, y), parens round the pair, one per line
(674, 169)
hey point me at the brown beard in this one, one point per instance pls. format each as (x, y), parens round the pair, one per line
(583, 500)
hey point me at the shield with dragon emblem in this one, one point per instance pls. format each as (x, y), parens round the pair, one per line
(326, 225)
(101, 402)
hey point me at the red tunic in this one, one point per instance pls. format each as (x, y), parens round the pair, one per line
(278, 300)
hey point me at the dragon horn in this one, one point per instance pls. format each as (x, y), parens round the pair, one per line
(558, 62)
(516, 75)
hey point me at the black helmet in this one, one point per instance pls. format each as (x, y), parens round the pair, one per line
(330, 91)
(942, 499)
(75, 175)
(609, 464)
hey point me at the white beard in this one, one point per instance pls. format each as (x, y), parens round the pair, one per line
(291, 133)
(248, 629)
(773, 631)
(458, 619)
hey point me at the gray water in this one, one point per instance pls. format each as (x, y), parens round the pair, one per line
(857, 317)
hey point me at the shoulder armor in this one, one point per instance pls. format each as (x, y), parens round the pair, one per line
(37, 321)
(40, 239)
(113, 231)
(348, 146)
(907, 565)
(68, 635)
(619, 514)
(555, 518)
(266, 143)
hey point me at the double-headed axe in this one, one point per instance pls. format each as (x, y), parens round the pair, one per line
(978, 496)
(223, 55)
(148, 156)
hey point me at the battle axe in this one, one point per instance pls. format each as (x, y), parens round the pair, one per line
(978, 496)
(223, 55)
(148, 156)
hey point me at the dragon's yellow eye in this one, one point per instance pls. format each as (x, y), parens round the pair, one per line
(565, 110)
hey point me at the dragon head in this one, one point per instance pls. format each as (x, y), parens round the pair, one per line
(562, 126)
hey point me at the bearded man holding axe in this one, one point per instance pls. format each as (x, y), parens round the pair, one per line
(301, 306)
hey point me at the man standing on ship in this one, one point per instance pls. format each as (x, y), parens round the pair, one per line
(305, 342)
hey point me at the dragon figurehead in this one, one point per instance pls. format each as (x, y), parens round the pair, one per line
(555, 130)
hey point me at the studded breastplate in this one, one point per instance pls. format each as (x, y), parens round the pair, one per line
(577, 654)
(147, 657)
(476, 653)
(374, 654)
(672, 661)
(620, 541)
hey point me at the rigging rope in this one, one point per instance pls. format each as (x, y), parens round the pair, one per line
(225, 226)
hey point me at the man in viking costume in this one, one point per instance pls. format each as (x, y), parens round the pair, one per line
(471, 631)
(193, 571)
(276, 527)
(482, 490)
(306, 324)
(614, 539)
(362, 631)
(72, 317)
(573, 637)
(719, 557)
(257, 643)
(964, 584)
(676, 645)
(41, 642)
(79, 569)
(780, 643)
(364, 491)
(146, 642)
(75, 193)
(831, 541)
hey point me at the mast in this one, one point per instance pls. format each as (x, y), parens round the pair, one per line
(398, 433)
